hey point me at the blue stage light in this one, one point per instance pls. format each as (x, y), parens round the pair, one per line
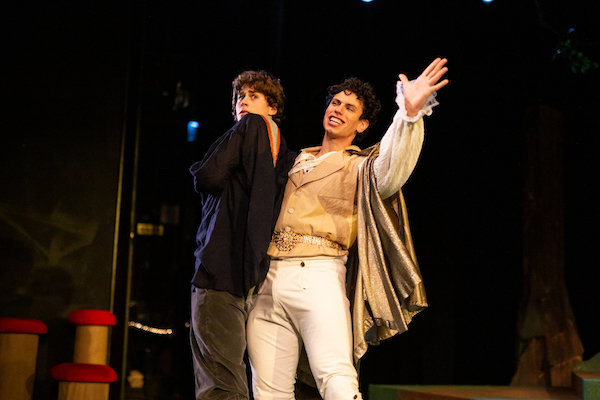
(192, 130)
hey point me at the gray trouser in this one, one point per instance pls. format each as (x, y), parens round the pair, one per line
(218, 341)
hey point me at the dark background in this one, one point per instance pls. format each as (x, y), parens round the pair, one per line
(93, 140)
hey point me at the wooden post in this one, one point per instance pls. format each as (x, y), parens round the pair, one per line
(91, 344)
(18, 356)
(19, 340)
(549, 341)
(83, 390)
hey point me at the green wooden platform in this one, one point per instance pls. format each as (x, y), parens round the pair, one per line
(586, 386)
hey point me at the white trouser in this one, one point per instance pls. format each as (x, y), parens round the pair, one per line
(302, 301)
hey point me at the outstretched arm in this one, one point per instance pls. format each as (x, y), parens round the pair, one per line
(401, 145)
(417, 91)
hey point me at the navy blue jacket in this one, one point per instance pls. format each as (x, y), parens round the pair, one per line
(241, 194)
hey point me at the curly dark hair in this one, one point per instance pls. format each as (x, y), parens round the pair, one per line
(365, 93)
(262, 82)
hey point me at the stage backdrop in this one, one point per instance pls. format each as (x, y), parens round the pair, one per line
(64, 94)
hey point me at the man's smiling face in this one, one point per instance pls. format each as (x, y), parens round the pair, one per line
(342, 117)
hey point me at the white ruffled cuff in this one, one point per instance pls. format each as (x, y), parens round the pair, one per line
(426, 110)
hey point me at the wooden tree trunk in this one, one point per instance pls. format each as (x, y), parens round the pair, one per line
(549, 341)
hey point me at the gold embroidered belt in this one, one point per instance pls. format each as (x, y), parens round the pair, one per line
(285, 241)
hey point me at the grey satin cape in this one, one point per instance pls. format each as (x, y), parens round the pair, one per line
(388, 290)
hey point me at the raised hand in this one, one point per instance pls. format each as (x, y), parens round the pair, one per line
(417, 92)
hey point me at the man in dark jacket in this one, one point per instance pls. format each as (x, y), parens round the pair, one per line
(241, 180)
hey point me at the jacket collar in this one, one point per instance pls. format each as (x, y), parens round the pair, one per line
(331, 164)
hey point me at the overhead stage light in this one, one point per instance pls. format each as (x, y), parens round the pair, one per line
(192, 129)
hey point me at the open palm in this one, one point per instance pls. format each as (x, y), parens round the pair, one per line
(417, 92)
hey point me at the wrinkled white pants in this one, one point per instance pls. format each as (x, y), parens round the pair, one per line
(302, 301)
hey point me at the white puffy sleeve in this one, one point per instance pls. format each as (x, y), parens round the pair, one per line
(400, 146)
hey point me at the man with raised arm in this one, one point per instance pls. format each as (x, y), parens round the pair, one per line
(334, 194)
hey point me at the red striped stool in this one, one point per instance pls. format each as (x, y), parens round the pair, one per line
(18, 356)
(88, 376)
(91, 335)
(79, 381)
